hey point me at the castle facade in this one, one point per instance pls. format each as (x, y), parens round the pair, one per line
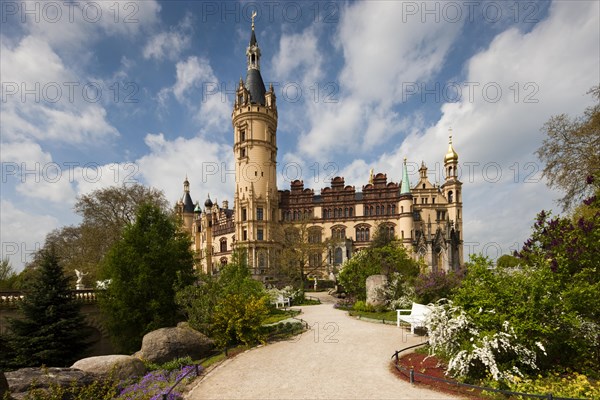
(423, 217)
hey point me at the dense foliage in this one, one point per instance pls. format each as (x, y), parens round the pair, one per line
(53, 331)
(146, 267)
(391, 259)
(230, 307)
(105, 213)
(542, 312)
(435, 285)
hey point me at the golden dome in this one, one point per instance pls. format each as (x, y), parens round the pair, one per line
(451, 155)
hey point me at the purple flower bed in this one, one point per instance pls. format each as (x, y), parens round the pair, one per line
(157, 383)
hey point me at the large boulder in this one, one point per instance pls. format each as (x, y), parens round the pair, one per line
(375, 289)
(167, 344)
(25, 379)
(117, 366)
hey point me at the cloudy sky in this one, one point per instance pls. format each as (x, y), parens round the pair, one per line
(97, 93)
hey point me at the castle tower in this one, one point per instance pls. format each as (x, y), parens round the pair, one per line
(406, 217)
(254, 121)
(452, 189)
(186, 207)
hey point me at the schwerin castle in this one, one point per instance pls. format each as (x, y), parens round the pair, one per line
(425, 218)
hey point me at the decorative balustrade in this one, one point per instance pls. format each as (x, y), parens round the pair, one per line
(12, 298)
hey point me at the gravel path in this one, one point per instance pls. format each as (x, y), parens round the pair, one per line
(339, 358)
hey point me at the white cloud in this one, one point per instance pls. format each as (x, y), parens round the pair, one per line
(299, 58)
(380, 56)
(558, 61)
(169, 45)
(208, 165)
(192, 74)
(71, 26)
(196, 80)
(47, 101)
(22, 232)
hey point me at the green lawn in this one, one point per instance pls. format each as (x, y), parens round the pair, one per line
(279, 315)
(385, 315)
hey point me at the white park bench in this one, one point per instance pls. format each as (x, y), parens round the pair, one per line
(284, 301)
(416, 318)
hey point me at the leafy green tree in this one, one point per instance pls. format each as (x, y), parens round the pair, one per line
(230, 307)
(570, 152)
(105, 213)
(7, 275)
(146, 267)
(53, 332)
(507, 261)
(383, 256)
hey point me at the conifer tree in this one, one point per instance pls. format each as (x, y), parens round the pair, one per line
(53, 332)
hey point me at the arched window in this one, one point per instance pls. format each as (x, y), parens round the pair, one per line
(262, 260)
(450, 196)
(377, 210)
(337, 256)
(223, 245)
(350, 212)
(393, 209)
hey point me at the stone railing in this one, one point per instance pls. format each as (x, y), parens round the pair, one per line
(11, 298)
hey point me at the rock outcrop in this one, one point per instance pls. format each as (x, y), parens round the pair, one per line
(25, 379)
(375, 287)
(116, 366)
(167, 344)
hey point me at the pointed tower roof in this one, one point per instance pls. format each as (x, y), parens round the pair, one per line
(405, 188)
(254, 81)
(188, 204)
(451, 155)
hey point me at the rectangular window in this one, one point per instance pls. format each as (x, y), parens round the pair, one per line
(245, 235)
(242, 135)
(259, 234)
(244, 214)
(243, 153)
(259, 213)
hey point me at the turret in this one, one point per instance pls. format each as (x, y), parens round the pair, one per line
(406, 202)
(452, 189)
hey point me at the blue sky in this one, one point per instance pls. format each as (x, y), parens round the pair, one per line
(96, 93)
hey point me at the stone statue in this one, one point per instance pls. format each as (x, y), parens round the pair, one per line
(79, 285)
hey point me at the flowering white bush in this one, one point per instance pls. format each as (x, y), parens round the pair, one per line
(471, 352)
(287, 291)
(397, 293)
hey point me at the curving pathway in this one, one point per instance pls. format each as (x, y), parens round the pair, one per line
(339, 358)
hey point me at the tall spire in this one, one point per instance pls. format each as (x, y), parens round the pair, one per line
(405, 188)
(254, 81)
(253, 36)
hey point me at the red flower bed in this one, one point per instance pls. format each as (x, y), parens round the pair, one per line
(431, 366)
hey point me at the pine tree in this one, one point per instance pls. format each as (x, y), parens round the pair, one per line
(53, 332)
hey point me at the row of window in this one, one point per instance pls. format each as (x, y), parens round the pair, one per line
(379, 210)
(338, 212)
(297, 215)
(260, 234)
